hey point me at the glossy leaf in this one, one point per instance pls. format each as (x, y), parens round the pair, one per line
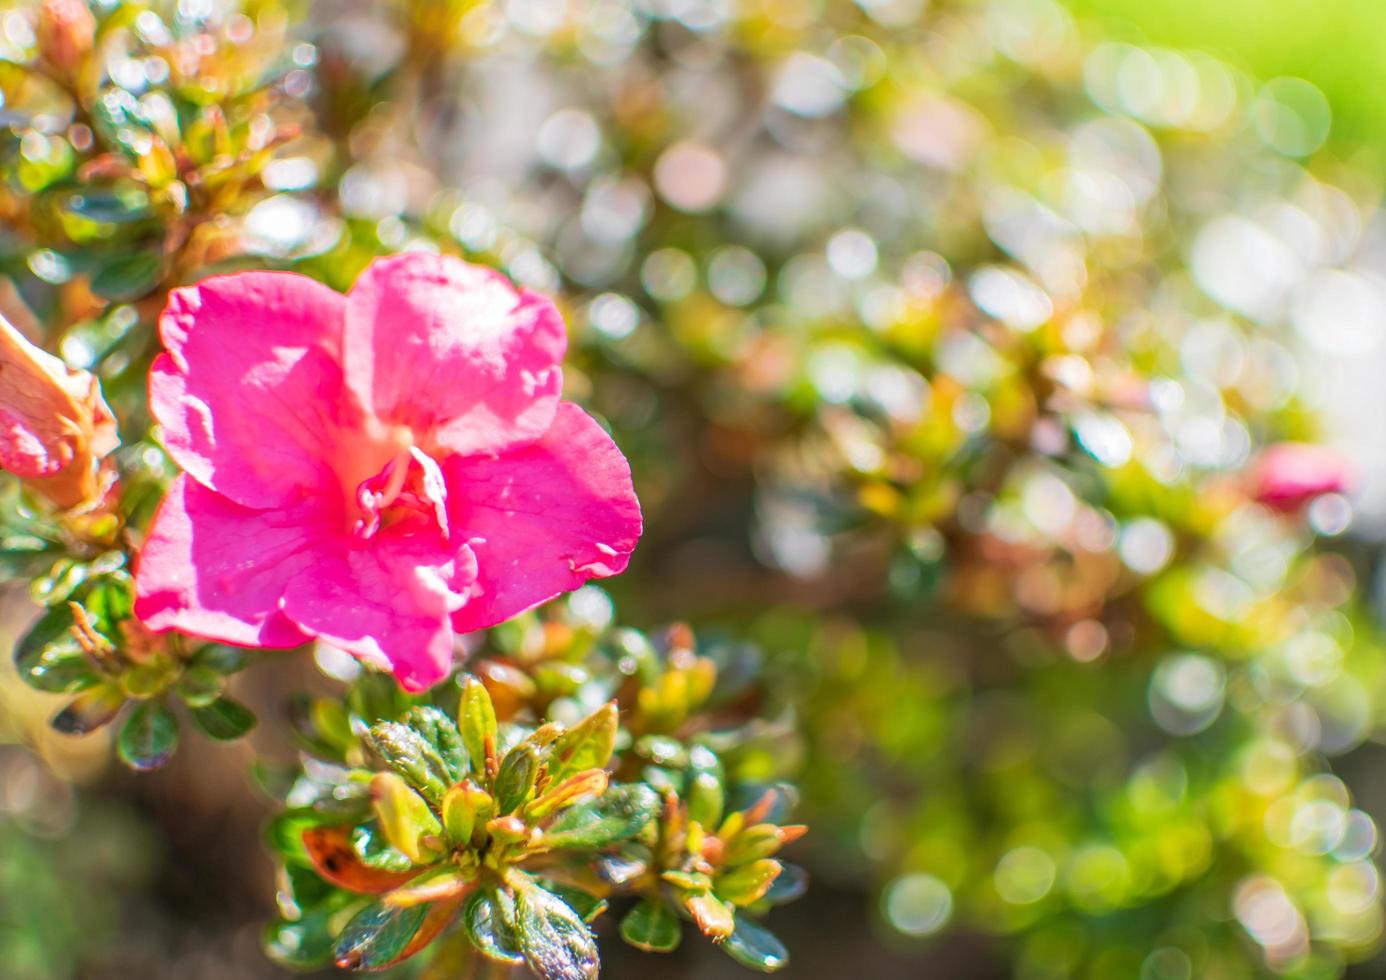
(587, 745)
(790, 885)
(404, 816)
(515, 779)
(149, 737)
(575, 788)
(651, 926)
(706, 799)
(476, 722)
(410, 754)
(440, 732)
(619, 813)
(556, 942)
(489, 915)
(336, 858)
(128, 276)
(225, 719)
(220, 657)
(747, 883)
(754, 946)
(378, 936)
(465, 806)
(49, 657)
(444, 885)
(713, 916)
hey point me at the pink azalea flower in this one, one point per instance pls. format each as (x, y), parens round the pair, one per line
(381, 470)
(1288, 475)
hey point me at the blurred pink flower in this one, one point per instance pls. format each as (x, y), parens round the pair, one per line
(1288, 475)
(381, 469)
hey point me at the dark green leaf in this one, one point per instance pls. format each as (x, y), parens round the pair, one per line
(49, 657)
(149, 736)
(224, 719)
(556, 942)
(199, 687)
(651, 926)
(108, 601)
(441, 733)
(754, 946)
(489, 916)
(219, 657)
(378, 936)
(515, 780)
(792, 883)
(410, 754)
(619, 813)
(128, 277)
(375, 696)
(588, 907)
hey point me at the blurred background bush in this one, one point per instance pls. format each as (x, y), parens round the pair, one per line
(946, 340)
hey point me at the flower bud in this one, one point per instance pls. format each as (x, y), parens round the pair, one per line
(54, 424)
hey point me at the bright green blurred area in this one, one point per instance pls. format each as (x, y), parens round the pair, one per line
(1339, 45)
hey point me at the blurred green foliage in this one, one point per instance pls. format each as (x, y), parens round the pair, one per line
(1339, 45)
(946, 342)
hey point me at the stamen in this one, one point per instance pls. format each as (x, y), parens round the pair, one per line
(399, 472)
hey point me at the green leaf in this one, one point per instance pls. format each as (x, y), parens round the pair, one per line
(557, 795)
(375, 696)
(489, 916)
(706, 799)
(587, 906)
(556, 942)
(464, 806)
(302, 945)
(149, 737)
(219, 657)
(128, 277)
(754, 946)
(199, 686)
(224, 719)
(515, 780)
(49, 657)
(410, 754)
(791, 884)
(747, 883)
(651, 926)
(587, 745)
(88, 711)
(476, 720)
(441, 733)
(378, 936)
(621, 812)
(404, 816)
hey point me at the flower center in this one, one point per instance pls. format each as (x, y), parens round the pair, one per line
(407, 494)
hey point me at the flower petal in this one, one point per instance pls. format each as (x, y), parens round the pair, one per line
(387, 601)
(453, 351)
(542, 519)
(215, 569)
(250, 393)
